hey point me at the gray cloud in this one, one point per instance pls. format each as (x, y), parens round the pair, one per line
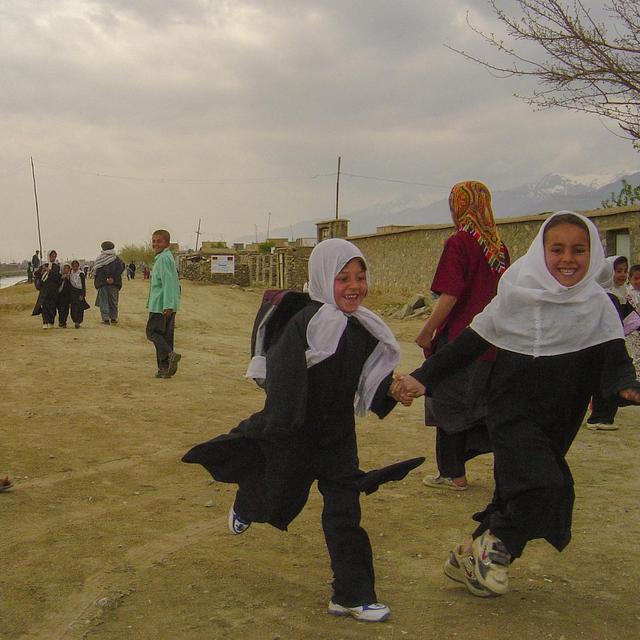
(215, 97)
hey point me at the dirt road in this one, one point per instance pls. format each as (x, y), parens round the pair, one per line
(107, 535)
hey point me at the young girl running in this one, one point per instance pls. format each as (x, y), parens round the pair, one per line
(559, 339)
(333, 356)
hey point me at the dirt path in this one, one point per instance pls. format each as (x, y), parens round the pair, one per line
(106, 535)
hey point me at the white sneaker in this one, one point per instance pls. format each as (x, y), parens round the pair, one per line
(236, 524)
(601, 426)
(461, 568)
(492, 561)
(374, 612)
(45, 326)
(440, 482)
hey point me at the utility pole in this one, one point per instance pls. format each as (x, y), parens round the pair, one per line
(198, 234)
(255, 230)
(268, 226)
(338, 187)
(35, 193)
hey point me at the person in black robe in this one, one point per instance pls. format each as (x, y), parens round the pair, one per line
(78, 292)
(331, 352)
(47, 280)
(559, 341)
(64, 296)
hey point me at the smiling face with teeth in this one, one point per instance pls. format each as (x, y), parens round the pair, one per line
(350, 286)
(566, 253)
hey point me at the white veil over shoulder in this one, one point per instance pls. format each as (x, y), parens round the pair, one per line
(326, 327)
(535, 315)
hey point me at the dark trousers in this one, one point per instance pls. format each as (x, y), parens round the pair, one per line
(63, 312)
(347, 542)
(451, 453)
(48, 312)
(160, 330)
(77, 311)
(603, 410)
(348, 545)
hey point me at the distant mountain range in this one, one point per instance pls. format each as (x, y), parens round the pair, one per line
(552, 193)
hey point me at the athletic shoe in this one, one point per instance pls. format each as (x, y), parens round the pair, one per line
(492, 562)
(440, 482)
(45, 326)
(174, 358)
(162, 373)
(236, 524)
(601, 426)
(106, 322)
(374, 612)
(461, 568)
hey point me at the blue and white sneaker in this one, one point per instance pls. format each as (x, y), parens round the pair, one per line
(236, 524)
(374, 612)
(461, 568)
(492, 561)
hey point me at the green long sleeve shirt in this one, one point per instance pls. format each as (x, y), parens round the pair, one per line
(164, 290)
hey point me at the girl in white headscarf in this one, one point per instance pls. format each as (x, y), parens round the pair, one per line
(333, 359)
(559, 339)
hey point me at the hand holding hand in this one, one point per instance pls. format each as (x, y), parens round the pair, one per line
(405, 388)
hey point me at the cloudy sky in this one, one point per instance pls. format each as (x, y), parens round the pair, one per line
(154, 113)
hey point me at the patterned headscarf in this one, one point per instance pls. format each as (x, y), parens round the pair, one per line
(470, 205)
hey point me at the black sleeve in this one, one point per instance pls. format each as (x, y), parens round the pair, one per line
(382, 403)
(456, 355)
(83, 280)
(286, 385)
(618, 372)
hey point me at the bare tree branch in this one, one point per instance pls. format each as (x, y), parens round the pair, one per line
(584, 65)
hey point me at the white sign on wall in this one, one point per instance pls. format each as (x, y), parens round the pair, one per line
(223, 264)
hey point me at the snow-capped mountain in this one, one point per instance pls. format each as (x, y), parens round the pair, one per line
(553, 192)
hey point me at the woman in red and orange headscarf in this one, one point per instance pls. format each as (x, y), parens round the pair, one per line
(466, 280)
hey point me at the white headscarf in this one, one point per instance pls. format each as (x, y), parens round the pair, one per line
(535, 315)
(326, 327)
(610, 286)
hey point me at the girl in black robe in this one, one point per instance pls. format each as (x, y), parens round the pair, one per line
(78, 291)
(330, 353)
(559, 341)
(64, 296)
(47, 281)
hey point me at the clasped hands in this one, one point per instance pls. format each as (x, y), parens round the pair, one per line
(405, 389)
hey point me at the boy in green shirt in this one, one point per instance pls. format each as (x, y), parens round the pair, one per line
(163, 303)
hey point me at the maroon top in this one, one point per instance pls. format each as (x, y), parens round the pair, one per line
(463, 272)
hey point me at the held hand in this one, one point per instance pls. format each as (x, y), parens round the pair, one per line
(167, 312)
(405, 388)
(631, 395)
(109, 280)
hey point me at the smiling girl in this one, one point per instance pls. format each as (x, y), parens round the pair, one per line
(334, 358)
(559, 340)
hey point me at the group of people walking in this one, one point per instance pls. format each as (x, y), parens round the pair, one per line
(61, 291)
(513, 356)
(63, 288)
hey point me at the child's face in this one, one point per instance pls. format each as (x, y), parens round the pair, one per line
(66, 269)
(566, 253)
(634, 280)
(159, 243)
(620, 274)
(350, 286)
(75, 266)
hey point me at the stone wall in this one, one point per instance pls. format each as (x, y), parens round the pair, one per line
(201, 272)
(403, 261)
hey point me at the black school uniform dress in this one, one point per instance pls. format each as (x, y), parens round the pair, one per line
(64, 301)
(535, 407)
(306, 432)
(47, 301)
(79, 303)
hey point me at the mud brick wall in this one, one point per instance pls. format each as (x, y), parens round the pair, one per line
(403, 262)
